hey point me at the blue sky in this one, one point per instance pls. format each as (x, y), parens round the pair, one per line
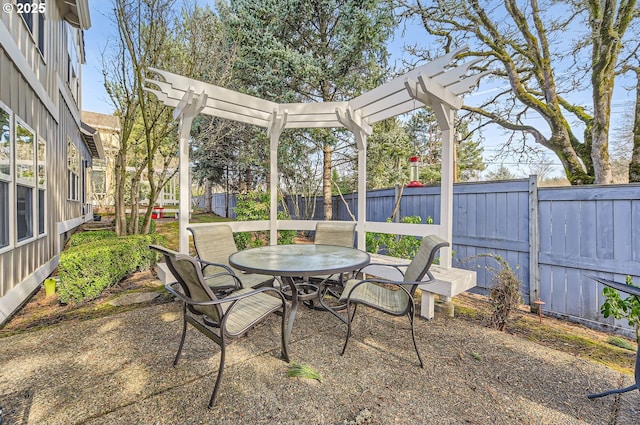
(102, 29)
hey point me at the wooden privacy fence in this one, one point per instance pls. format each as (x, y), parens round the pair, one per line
(554, 238)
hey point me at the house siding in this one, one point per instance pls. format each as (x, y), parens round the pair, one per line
(34, 88)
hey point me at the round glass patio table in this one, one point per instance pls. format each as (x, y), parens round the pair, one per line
(289, 261)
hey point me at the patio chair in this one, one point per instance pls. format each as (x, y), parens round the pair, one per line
(332, 233)
(219, 284)
(220, 319)
(335, 233)
(398, 301)
(215, 244)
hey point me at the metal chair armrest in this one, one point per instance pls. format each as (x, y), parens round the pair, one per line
(399, 283)
(232, 298)
(395, 266)
(209, 264)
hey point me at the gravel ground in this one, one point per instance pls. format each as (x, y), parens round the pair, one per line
(117, 370)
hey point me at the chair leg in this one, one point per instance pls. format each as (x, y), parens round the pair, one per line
(220, 371)
(184, 334)
(349, 320)
(413, 333)
(283, 334)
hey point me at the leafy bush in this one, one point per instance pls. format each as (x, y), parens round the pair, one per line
(627, 308)
(254, 206)
(82, 238)
(401, 246)
(86, 270)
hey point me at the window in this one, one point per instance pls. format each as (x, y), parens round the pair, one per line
(73, 41)
(24, 6)
(42, 184)
(73, 170)
(24, 212)
(41, 32)
(25, 180)
(33, 15)
(5, 174)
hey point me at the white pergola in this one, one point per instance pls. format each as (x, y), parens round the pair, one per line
(437, 84)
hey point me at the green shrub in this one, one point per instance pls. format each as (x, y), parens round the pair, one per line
(256, 206)
(87, 270)
(622, 308)
(401, 246)
(82, 238)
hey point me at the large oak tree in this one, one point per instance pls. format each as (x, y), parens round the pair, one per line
(544, 51)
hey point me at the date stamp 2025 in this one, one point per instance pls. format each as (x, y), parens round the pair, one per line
(24, 7)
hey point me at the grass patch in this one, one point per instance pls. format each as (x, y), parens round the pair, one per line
(169, 229)
(622, 343)
(298, 370)
(554, 333)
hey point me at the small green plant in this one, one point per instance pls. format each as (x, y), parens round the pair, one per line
(298, 370)
(254, 206)
(621, 342)
(401, 246)
(622, 308)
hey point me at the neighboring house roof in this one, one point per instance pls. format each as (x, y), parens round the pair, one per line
(91, 138)
(101, 121)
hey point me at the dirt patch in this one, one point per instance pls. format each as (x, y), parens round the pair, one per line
(42, 311)
(578, 340)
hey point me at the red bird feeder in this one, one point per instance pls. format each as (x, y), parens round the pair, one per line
(414, 172)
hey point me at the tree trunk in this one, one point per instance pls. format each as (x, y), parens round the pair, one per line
(120, 176)
(602, 93)
(634, 165)
(208, 196)
(326, 182)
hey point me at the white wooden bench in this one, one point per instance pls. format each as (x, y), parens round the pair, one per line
(448, 284)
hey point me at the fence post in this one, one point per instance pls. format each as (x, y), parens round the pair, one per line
(534, 244)
(396, 200)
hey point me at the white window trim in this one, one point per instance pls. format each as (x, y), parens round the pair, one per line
(11, 213)
(33, 186)
(76, 194)
(43, 187)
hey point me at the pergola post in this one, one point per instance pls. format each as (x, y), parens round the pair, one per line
(360, 128)
(278, 121)
(444, 104)
(188, 108)
(446, 183)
